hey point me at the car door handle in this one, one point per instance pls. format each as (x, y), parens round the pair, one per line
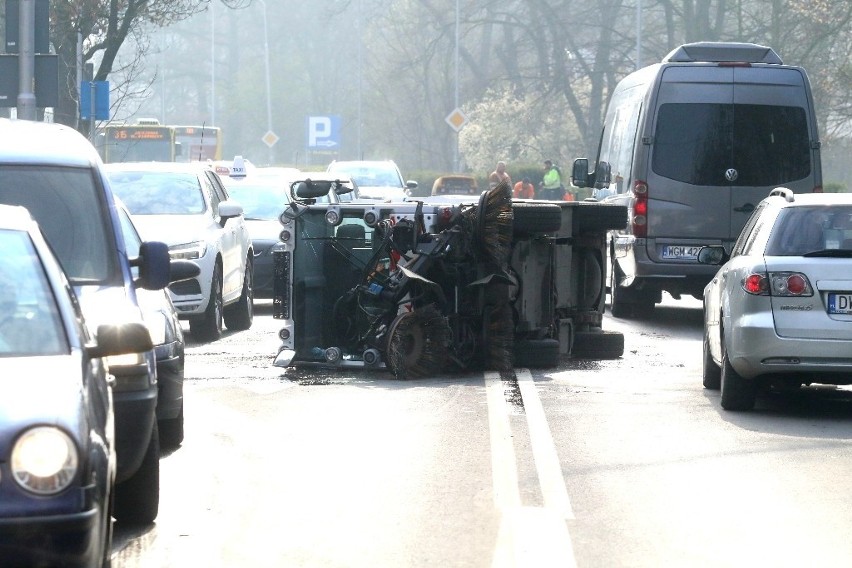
(747, 208)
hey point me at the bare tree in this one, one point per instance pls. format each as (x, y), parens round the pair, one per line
(103, 26)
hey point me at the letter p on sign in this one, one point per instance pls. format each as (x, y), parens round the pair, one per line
(323, 132)
(319, 129)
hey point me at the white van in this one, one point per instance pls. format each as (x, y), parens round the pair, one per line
(691, 145)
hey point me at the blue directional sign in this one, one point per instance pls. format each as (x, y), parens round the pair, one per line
(323, 132)
(101, 100)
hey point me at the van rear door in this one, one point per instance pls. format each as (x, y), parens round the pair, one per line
(725, 136)
(772, 133)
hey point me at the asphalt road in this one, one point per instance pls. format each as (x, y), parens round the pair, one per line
(598, 463)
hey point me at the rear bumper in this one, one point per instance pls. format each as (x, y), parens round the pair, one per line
(754, 349)
(641, 270)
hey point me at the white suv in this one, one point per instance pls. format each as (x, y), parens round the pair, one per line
(187, 206)
(377, 180)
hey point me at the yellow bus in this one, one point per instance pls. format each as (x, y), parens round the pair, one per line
(199, 143)
(137, 143)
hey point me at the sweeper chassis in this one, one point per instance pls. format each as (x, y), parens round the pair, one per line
(423, 287)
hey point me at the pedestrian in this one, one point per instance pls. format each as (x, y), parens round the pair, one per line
(524, 189)
(551, 185)
(499, 174)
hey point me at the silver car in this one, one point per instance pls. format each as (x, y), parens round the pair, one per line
(778, 313)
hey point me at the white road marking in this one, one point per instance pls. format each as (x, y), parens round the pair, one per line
(529, 536)
(504, 468)
(544, 450)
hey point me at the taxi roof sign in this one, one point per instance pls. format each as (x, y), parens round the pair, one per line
(238, 168)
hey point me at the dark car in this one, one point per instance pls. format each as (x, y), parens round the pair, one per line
(56, 173)
(57, 440)
(162, 320)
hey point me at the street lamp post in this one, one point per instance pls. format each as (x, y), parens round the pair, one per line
(268, 89)
(456, 156)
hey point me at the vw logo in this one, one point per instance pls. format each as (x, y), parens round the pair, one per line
(731, 174)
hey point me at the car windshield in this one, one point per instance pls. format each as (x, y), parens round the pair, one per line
(158, 193)
(261, 199)
(29, 318)
(807, 230)
(373, 176)
(65, 203)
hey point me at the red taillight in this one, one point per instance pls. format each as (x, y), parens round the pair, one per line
(796, 284)
(756, 284)
(817, 189)
(782, 284)
(639, 216)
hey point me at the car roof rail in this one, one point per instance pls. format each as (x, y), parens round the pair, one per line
(723, 52)
(784, 192)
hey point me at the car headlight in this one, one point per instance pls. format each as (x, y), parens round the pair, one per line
(188, 251)
(157, 325)
(44, 460)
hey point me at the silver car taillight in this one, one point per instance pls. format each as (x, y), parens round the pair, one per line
(778, 284)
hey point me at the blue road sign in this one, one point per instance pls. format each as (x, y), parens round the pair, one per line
(323, 132)
(101, 100)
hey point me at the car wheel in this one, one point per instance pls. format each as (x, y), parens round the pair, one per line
(171, 431)
(137, 500)
(737, 393)
(535, 218)
(602, 344)
(711, 373)
(239, 316)
(536, 353)
(599, 217)
(208, 327)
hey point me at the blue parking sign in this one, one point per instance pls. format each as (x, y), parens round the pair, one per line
(323, 132)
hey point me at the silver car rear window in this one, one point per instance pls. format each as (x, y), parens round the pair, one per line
(803, 230)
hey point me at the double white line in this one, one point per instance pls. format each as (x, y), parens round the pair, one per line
(529, 536)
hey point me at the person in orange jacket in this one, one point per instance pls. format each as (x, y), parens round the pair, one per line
(524, 189)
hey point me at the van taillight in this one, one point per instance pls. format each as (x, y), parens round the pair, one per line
(817, 189)
(639, 216)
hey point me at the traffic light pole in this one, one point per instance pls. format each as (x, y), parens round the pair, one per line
(26, 60)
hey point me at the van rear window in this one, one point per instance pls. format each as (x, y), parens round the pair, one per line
(697, 143)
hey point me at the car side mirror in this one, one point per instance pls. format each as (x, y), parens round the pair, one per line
(230, 208)
(713, 255)
(119, 339)
(580, 173)
(153, 263)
